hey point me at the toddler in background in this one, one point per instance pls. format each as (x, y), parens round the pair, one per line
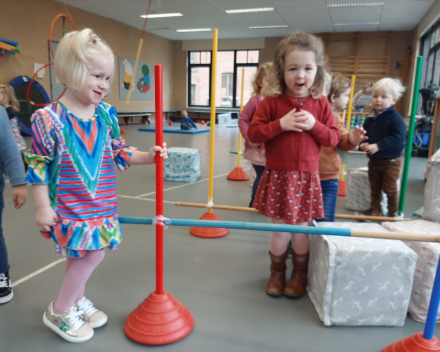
(10, 161)
(386, 132)
(10, 103)
(363, 98)
(254, 152)
(338, 93)
(187, 123)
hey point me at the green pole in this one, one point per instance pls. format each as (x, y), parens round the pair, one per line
(410, 138)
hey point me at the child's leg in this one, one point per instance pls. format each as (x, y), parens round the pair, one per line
(259, 169)
(375, 177)
(78, 272)
(390, 185)
(296, 287)
(4, 264)
(278, 254)
(329, 197)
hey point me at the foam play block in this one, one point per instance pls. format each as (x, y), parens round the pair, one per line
(183, 164)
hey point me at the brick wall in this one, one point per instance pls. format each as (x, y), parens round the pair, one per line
(28, 22)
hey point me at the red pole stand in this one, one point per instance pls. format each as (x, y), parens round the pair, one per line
(342, 188)
(238, 174)
(160, 319)
(414, 343)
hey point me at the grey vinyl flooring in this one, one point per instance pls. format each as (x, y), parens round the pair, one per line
(221, 281)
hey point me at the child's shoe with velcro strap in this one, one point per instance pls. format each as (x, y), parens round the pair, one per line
(6, 292)
(92, 316)
(69, 324)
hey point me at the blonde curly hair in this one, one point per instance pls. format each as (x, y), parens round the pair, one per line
(263, 70)
(10, 100)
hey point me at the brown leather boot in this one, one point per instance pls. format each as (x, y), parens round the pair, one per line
(296, 287)
(277, 280)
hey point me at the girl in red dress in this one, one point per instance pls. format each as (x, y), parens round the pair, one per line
(293, 122)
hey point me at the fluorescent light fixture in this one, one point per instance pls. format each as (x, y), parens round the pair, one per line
(357, 24)
(269, 27)
(162, 15)
(357, 4)
(261, 9)
(194, 30)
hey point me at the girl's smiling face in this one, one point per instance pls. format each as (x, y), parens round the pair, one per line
(299, 72)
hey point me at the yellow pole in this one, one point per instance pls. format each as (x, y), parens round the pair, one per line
(350, 103)
(213, 86)
(141, 41)
(343, 165)
(241, 109)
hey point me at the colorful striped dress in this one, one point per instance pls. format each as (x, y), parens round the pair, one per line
(76, 158)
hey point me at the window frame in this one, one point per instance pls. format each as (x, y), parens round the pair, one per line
(434, 51)
(234, 77)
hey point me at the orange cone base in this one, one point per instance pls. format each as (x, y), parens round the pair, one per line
(160, 319)
(342, 188)
(238, 174)
(122, 131)
(414, 343)
(209, 232)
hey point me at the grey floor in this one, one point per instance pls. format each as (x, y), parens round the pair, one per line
(221, 281)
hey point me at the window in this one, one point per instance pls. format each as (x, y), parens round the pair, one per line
(430, 50)
(228, 80)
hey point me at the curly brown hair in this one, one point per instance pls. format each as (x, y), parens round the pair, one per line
(263, 70)
(339, 85)
(298, 41)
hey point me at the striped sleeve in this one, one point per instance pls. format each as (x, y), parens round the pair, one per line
(121, 152)
(42, 153)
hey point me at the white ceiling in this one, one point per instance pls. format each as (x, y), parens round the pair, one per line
(311, 16)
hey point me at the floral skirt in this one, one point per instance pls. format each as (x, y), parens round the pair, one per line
(294, 196)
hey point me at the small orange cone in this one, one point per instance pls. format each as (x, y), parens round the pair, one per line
(122, 131)
(342, 188)
(414, 343)
(209, 232)
(238, 174)
(160, 319)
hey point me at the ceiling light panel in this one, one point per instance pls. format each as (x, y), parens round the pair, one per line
(269, 27)
(261, 9)
(357, 24)
(162, 15)
(194, 30)
(356, 4)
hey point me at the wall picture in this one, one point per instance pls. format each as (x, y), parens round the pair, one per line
(143, 81)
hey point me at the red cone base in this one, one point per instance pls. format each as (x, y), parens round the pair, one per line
(414, 343)
(209, 232)
(158, 320)
(342, 188)
(238, 174)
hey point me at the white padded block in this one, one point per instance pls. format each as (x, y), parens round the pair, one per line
(183, 164)
(428, 256)
(360, 281)
(359, 193)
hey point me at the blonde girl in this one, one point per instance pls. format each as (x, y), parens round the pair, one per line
(293, 122)
(254, 152)
(9, 101)
(76, 144)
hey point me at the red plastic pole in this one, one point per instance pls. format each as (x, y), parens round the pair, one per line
(159, 177)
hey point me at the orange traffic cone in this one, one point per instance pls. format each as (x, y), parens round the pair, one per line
(414, 343)
(209, 232)
(238, 174)
(160, 319)
(342, 188)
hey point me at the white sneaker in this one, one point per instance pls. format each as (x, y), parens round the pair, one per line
(94, 317)
(68, 324)
(6, 292)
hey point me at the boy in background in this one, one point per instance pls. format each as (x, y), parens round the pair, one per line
(386, 132)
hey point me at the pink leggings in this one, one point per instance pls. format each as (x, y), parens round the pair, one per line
(78, 271)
